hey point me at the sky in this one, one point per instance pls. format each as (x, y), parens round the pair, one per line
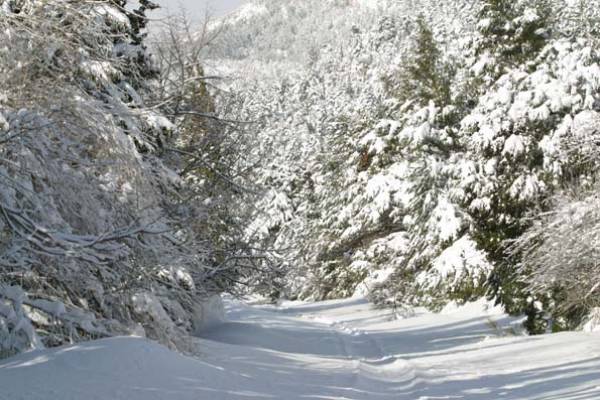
(197, 8)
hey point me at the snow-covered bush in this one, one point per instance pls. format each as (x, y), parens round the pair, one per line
(557, 254)
(559, 259)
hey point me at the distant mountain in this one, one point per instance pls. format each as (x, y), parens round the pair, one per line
(287, 30)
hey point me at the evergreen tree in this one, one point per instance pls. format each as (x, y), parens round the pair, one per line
(509, 33)
(425, 76)
(510, 138)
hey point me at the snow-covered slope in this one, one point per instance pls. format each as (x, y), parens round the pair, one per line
(329, 350)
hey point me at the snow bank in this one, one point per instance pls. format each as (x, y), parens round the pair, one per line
(124, 368)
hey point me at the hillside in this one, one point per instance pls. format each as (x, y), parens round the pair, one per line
(407, 150)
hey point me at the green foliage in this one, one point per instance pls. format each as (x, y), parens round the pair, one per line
(510, 33)
(511, 182)
(425, 75)
(337, 279)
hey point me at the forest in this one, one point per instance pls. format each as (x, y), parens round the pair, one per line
(424, 152)
(416, 155)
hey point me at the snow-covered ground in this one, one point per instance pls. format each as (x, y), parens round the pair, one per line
(330, 350)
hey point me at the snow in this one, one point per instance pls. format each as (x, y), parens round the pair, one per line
(445, 220)
(328, 350)
(4, 125)
(593, 321)
(115, 15)
(246, 12)
(100, 70)
(526, 188)
(585, 124)
(514, 146)
(461, 261)
(209, 313)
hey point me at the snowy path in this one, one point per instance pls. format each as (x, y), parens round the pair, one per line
(330, 350)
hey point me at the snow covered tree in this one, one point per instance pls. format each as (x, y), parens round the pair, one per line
(406, 148)
(556, 255)
(209, 149)
(95, 231)
(425, 76)
(509, 33)
(514, 137)
(559, 260)
(335, 198)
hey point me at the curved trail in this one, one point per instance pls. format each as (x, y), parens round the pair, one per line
(332, 357)
(347, 350)
(342, 350)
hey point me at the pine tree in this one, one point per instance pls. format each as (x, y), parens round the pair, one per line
(509, 33)
(425, 75)
(510, 136)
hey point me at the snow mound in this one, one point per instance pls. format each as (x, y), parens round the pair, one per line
(123, 368)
